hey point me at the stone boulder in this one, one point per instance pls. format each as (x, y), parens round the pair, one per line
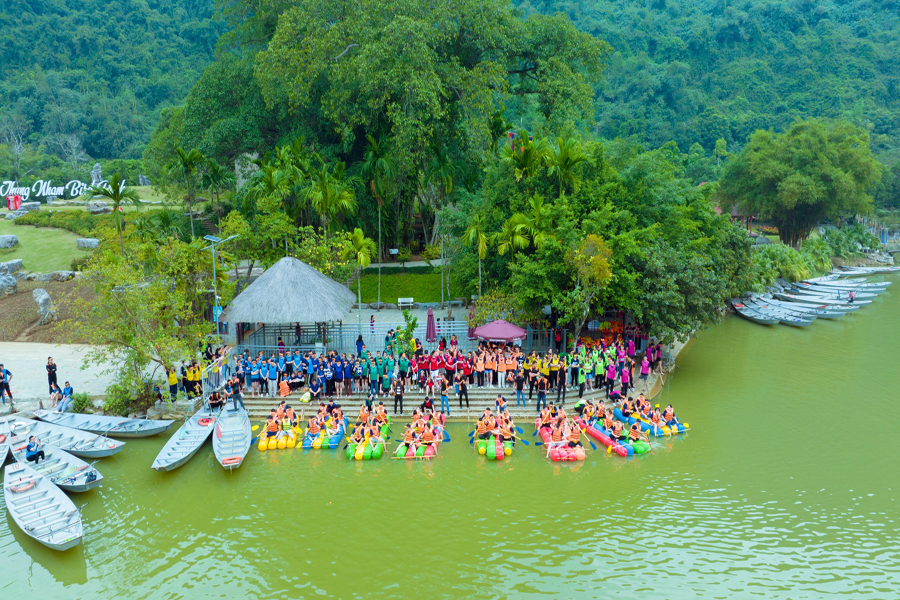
(12, 265)
(59, 276)
(30, 206)
(87, 243)
(8, 284)
(46, 310)
(391, 306)
(143, 180)
(8, 241)
(98, 207)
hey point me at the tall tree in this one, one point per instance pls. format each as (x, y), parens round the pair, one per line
(215, 178)
(563, 162)
(330, 194)
(815, 170)
(378, 167)
(120, 195)
(476, 236)
(360, 251)
(185, 164)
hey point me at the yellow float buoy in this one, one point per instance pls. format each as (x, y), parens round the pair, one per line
(291, 442)
(272, 443)
(282, 443)
(262, 445)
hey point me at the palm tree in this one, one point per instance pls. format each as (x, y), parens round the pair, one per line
(513, 236)
(538, 222)
(360, 250)
(563, 161)
(498, 127)
(526, 155)
(475, 236)
(378, 166)
(214, 178)
(330, 194)
(185, 164)
(120, 195)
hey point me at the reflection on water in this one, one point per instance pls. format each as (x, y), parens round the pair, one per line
(780, 490)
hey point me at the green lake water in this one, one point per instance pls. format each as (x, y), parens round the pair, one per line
(785, 487)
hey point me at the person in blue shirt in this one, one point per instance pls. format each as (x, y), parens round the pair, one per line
(272, 385)
(66, 398)
(339, 377)
(254, 378)
(315, 389)
(263, 377)
(282, 367)
(328, 374)
(298, 362)
(5, 378)
(33, 452)
(348, 377)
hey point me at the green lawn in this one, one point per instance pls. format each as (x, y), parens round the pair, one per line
(42, 249)
(423, 287)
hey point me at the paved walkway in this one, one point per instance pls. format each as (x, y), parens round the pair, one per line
(29, 377)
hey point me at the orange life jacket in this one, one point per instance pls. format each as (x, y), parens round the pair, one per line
(557, 434)
(272, 426)
(608, 422)
(617, 428)
(314, 425)
(635, 432)
(428, 436)
(408, 438)
(482, 426)
(669, 414)
(575, 434)
(545, 416)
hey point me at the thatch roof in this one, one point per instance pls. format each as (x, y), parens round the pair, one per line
(290, 291)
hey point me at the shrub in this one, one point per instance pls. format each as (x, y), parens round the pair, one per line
(80, 222)
(81, 402)
(404, 255)
(79, 263)
(817, 254)
(771, 261)
(849, 240)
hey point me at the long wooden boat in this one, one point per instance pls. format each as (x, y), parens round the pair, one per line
(231, 438)
(751, 315)
(64, 470)
(799, 309)
(185, 442)
(857, 271)
(830, 299)
(849, 284)
(844, 308)
(40, 509)
(840, 293)
(783, 313)
(80, 443)
(111, 426)
(4, 444)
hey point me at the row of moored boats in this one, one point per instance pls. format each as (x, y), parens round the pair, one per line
(829, 297)
(34, 490)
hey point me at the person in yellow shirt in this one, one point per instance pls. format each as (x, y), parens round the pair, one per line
(173, 383)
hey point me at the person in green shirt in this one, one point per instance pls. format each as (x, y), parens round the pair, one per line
(403, 363)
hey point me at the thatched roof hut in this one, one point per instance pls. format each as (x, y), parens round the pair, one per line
(290, 291)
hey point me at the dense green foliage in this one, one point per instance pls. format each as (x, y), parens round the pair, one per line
(814, 171)
(101, 71)
(697, 71)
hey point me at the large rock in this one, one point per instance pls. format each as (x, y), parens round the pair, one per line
(98, 207)
(143, 180)
(56, 276)
(87, 243)
(8, 283)
(45, 307)
(30, 206)
(8, 241)
(12, 265)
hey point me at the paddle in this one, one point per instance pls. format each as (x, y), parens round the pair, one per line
(589, 440)
(519, 429)
(521, 440)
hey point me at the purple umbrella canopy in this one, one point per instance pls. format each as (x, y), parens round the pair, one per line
(500, 331)
(430, 331)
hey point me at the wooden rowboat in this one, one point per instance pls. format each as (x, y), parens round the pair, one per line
(64, 470)
(185, 442)
(112, 426)
(231, 438)
(77, 442)
(40, 509)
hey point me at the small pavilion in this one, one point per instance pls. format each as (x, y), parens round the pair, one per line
(290, 300)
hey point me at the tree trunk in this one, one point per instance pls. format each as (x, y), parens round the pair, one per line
(379, 256)
(479, 278)
(435, 228)
(359, 298)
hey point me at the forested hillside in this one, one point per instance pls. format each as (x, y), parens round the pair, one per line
(100, 70)
(697, 71)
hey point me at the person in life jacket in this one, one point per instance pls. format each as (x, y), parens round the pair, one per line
(574, 436)
(375, 435)
(506, 431)
(286, 429)
(363, 414)
(634, 433)
(380, 413)
(656, 419)
(545, 417)
(409, 436)
(553, 410)
(359, 433)
(556, 436)
(669, 416)
(608, 420)
(484, 424)
(628, 407)
(617, 431)
(271, 426)
(427, 437)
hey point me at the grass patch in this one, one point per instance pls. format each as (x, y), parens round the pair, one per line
(423, 287)
(402, 270)
(41, 249)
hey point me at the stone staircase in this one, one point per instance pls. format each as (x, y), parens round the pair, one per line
(479, 399)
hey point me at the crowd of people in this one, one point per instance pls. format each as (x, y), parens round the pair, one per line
(448, 371)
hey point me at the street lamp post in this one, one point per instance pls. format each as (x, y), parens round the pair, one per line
(213, 242)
